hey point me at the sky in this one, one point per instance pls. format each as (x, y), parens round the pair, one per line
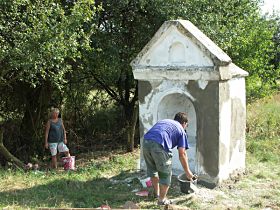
(269, 5)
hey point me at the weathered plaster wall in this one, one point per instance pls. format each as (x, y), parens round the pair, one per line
(205, 99)
(164, 100)
(144, 88)
(207, 109)
(224, 128)
(182, 51)
(238, 124)
(232, 127)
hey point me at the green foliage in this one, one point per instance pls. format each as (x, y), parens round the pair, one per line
(92, 119)
(37, 39)
(263, 124)
(40, 43)
(257, 58)
(264, 118)
(238, 28)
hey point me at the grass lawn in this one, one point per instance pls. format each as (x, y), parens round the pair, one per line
(111, 178)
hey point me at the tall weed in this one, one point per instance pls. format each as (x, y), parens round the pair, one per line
(263, 118)
(263, 123)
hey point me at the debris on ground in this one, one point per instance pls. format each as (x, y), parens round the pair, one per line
(127, 180)
(135, 190)
(130, 205)
(175, 207)
(142, 193)
(104, 207)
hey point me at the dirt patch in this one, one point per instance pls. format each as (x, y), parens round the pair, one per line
(240, 191)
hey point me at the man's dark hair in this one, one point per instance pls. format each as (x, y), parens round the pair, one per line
(181, 117)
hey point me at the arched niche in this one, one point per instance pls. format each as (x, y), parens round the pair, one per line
(167, 108)
(177, 53)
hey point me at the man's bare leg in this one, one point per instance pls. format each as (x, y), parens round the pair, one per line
(163, 191)
(155, 181)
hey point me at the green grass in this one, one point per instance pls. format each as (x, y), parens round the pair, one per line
(109, 178)
(263, 118)
(90, 186)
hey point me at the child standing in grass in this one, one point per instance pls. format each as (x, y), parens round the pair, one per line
(55, 137)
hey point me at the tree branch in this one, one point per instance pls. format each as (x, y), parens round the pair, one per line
(7, 155)
(109, 90)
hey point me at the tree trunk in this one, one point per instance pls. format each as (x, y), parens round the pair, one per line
(7, 155)
(131, 128)
(36, 104)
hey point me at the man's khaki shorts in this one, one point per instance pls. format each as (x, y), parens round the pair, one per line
(158, 161)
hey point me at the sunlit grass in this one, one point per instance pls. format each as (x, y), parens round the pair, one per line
(89, 186)
(263, 118)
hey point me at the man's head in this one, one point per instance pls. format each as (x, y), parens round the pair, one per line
(182, 118)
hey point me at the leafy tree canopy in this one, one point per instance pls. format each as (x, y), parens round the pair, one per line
(39, 39)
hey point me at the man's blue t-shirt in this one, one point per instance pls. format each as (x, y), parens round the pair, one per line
(168, 133)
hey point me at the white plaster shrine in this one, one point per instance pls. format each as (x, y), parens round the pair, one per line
(181, 69)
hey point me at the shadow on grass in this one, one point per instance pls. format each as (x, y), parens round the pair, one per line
(67, 192)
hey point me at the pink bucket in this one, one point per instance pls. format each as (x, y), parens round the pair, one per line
(146, 182)
(69, 163)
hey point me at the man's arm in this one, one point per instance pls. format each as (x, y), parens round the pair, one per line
(184, 162)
